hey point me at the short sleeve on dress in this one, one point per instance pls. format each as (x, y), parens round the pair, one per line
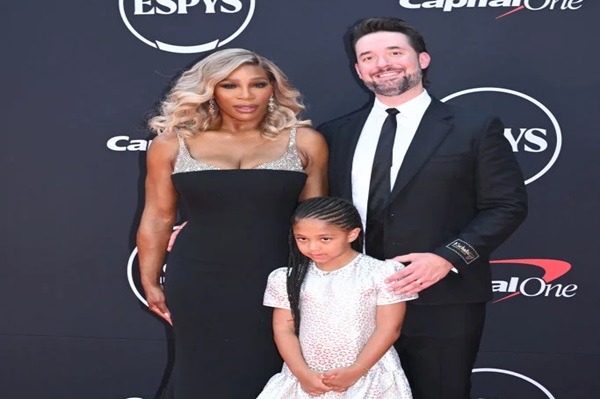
(276, 293)
(385, 296)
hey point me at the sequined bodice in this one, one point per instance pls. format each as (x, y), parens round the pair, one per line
(289, 161)
(237, 215)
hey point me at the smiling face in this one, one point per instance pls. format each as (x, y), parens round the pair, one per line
(244, 94)
(326, 244)
(389, 66)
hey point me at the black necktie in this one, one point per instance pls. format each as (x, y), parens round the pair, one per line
(379, 189)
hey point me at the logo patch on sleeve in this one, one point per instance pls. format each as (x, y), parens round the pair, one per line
(464, 250)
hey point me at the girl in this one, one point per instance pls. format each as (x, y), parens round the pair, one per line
(334, 320)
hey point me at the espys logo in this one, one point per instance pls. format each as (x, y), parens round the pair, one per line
(508, 280)
(531, 129)
(506, 384)
(516, 5)
(186, 26)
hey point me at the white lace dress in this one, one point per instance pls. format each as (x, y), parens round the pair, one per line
(337, 317)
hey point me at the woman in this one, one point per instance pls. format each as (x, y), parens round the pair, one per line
(231, 146)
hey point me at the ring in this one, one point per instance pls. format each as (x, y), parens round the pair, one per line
(419, 282)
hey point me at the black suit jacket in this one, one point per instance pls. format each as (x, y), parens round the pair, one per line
(459, 194)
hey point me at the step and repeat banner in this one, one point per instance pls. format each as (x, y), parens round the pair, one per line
(80, 78)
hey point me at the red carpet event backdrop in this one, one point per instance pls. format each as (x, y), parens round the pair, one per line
(81, 78)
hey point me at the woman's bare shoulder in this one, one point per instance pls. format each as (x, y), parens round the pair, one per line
(308, 138)
(164, 145)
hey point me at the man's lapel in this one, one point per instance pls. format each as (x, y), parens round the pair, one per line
(432, 130)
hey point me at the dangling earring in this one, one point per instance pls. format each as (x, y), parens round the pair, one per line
(212, 107)
(271, 104)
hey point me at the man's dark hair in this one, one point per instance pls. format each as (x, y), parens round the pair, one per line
(388, 24)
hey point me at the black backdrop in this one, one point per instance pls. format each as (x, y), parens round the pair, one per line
(80, 78)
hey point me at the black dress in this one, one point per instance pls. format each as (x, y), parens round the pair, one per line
(238, 223)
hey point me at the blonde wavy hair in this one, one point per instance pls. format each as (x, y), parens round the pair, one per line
(185, 108)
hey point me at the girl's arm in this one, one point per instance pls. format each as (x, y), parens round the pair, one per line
(157, 220)
(387, 331)
(388, 325)
(289, 348)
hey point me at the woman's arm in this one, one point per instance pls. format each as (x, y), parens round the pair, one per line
(314, 153)
(388, 325)
(159, 215)
(289, 348)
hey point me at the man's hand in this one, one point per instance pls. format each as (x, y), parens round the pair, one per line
(425, 269)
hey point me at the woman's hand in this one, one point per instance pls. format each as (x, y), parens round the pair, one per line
(155, 297)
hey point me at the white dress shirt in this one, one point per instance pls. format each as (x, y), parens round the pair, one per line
(408, 120)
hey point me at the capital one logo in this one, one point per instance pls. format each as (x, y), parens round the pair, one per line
(530, 278)
(186, 26)
(125, 143)
(531, 129)
(506, 384)
(514, 5)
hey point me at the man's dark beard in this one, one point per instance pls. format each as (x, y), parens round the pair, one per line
(397, 87)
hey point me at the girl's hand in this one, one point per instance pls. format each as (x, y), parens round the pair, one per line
(312, 383)
(339, 380)
(156, 302)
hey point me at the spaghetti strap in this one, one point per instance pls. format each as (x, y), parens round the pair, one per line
(292, 141)
(183, 150)
(290, 160)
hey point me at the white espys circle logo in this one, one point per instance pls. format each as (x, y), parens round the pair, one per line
(517, 375)
(185, 21)
(530, 140)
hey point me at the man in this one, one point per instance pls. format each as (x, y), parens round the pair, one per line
(438, 188)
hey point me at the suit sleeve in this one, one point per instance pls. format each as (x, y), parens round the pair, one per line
(325, 130)
(500, 196)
